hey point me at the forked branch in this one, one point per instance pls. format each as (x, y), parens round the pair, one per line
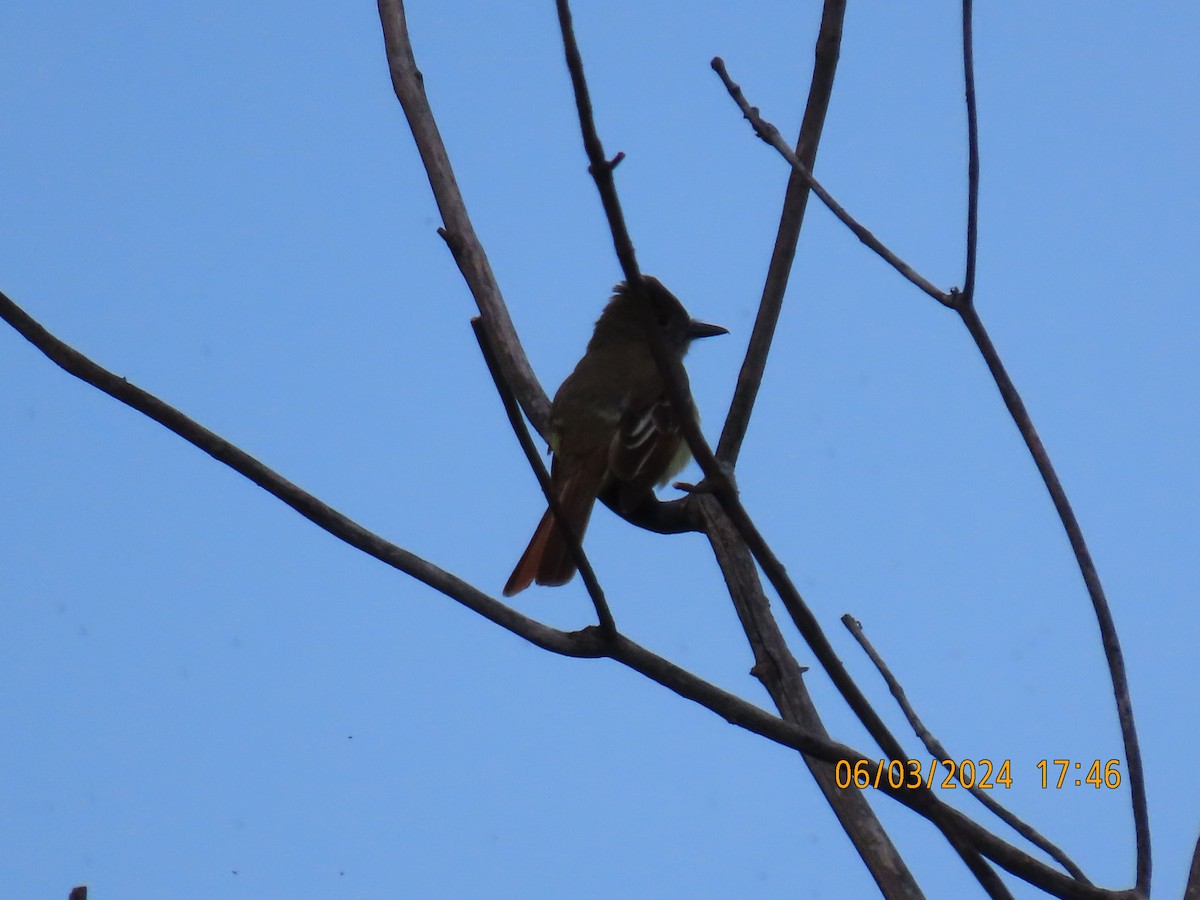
(1113, 655)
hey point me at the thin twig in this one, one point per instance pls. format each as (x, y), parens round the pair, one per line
(938, 751)
(607, 625)
(599, 165)
(922, 802)
(968, 290)
(810, 629)
(771, 135)
(795, 202)
(775, 666)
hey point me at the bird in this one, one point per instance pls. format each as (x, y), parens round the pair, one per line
(612, 425)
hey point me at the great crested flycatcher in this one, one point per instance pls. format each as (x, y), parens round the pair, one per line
(612, 424)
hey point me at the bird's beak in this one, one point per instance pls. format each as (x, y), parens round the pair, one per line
(703, 330)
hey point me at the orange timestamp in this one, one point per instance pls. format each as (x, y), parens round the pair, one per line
(1107, 777)
(984, 774)
(896, 774)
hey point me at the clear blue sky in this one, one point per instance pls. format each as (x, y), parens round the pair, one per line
(203, 695)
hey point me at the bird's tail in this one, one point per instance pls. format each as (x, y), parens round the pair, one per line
(547, 560)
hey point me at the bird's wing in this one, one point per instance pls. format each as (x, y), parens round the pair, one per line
(642, 451)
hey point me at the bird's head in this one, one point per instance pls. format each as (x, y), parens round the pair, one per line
(624, 317)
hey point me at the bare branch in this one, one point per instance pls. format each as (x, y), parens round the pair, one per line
(457, 230)
(600, 167)
(517, 384)
(965, 306)
(771, 135)
(795, 202)
(968, 42)
(810, 629)
(745, 715)
(938, 751)
(298, 499)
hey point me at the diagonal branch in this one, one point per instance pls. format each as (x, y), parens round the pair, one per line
(601, 169)
(1108, 629)
(317, 512)
(776, 668)
(939, 751)
(924, 803)
(600, 166)
(457, 230)
(770, 134)
(795, 202)
(1192, 890)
